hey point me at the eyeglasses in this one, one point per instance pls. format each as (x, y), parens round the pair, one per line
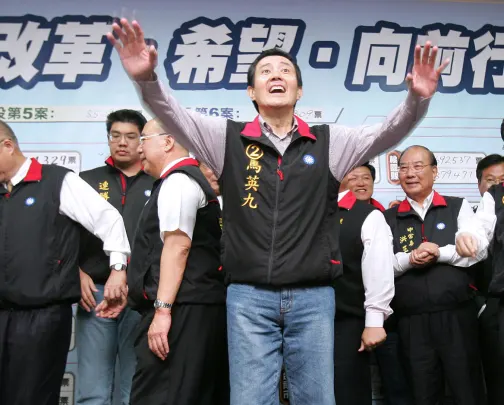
(116, 137)
(144, 137)
(415, 168)
(493, 182)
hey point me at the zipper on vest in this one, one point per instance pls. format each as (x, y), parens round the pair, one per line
(123, 188)
(424, 238)
(275, 216)
(279, 171)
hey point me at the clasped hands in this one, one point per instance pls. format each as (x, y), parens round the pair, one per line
(425, 254)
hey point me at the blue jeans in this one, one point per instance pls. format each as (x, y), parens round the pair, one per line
(99, 343)
(269, 326)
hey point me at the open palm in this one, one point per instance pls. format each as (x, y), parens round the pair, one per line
(424, 76)
(138, 59)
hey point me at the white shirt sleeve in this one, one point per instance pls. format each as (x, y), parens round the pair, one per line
(79, 202)
(486, 215)
(179, 200)
(377, 268)
(401, 263)
(466, 222)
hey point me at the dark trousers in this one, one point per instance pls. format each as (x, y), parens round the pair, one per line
(489, 346)
(34, 346)
(196, 370)
(443, 346)
(394, 382)
(352, 372)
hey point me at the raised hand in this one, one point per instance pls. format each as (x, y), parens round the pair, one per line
(138, 59)
(424, 76)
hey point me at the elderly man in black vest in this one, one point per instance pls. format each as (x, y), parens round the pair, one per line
(279, 180)
(437, 316)
(175, 282)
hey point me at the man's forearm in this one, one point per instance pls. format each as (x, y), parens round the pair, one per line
(173, 263)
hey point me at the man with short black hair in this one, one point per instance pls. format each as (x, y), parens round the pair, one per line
(279, 179)
(360, 181)
(40, 209)
(123, 183)
(363, 293)
(489, 172)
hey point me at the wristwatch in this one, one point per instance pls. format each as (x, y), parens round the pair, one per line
(161, 304)
(118, 267)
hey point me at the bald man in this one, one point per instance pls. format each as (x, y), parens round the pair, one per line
(176, 282)
(41, 207)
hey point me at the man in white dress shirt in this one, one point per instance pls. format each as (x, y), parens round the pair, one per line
(40, 209)
(175, 282)
(437, 316)
(396, 390)
(363, 295)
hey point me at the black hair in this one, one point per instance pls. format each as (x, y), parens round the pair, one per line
(128, 116)
(486, 162)
(371, 168)
(265, 54)
(433, 160)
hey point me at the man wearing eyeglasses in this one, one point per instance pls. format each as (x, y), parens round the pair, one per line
(437, 317)
(40, 209)
(175, 282)
(123, 183)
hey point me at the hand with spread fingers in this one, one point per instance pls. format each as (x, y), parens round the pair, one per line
(138, 59)
(424, 76)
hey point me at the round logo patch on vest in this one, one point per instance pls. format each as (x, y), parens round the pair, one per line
(147, 193)
(30, 201)
(308, 159)
(441, 226)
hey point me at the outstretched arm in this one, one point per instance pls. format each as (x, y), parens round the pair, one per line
(350, 147)
(205, 136)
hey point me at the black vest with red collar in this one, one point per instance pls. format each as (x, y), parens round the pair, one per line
(202, 282)
(281, 223)
(439, 286)
(350, 287)
(38, 246)
(496, 287)
(376, 204)
(128, 196)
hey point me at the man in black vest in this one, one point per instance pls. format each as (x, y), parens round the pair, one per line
(41, 207)
(363, 295)
(489, 172)
(124, 184)
(490, 217)
(360, 181)
(175, 281)
(437, 317)
(279, 180)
